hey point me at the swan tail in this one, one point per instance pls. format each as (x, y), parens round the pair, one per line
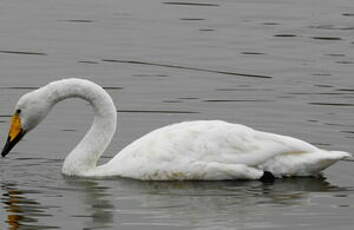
(304, 164)
(343, 156)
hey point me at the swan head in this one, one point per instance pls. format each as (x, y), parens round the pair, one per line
(30, 110)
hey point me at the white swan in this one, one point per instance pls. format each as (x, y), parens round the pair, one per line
(193, 150)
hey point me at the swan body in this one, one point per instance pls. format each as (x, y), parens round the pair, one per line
(193, 150)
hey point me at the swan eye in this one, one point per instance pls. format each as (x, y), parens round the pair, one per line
(18, 111)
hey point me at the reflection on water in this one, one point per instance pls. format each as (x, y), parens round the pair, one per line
(124, 203)
(288, 191)
(22, 212)
(98, 212)
(146, 205)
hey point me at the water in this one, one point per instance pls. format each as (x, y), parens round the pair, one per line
(281, 66)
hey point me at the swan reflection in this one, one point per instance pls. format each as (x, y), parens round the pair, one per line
(98, 208)
(21, 211)
(118, 202)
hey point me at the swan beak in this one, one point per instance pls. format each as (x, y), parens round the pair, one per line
(16, 133)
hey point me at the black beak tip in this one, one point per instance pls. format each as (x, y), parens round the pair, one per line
(11, 143)
(6, 148)
(5, 151)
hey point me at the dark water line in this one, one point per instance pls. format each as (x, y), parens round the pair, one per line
(285, 35)
(327, 38)
(185, 68)
(23, 52)
(78, 20)
(155, 111)
(20, 87)
(345, 131)
(348, 14)
(324, 93)
(241, 89)
(206, 30)
(331, 104)
(36, 87)
(252, 53)
(87, 62)
(192, 19)
(240, 100)
(112, 87)
(332, 27)
(69, 130)
(189, 4)
(188, 98)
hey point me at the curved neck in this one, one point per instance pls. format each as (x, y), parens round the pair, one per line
(85, 155)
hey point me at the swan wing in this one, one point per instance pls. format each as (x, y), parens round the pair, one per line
(212, 150)
(294, 157)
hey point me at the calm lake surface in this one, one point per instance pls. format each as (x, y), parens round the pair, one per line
(283, 66)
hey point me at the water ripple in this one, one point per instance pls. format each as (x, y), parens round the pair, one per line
(23, 212)
(36, 87)
(345, 90)
(190, 4)
(20, 87)
(270, 23)
(323, 86)
(331, 104)
(78, 20)
(156, 111)
(345, 62)
(327, 38)
(332, 27)
(23, 52)
(206, 30)
(237, 100)
(172, 101)
(252, 53)
(192, 19)
(88, 62)
(285, 35)
(348, 14)
(185, 68)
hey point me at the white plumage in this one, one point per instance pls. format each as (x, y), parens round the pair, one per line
(217, 150)
(193, 150)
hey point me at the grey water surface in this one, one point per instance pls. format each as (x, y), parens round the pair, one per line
(284, 66)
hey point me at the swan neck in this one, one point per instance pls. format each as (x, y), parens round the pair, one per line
(83, 158)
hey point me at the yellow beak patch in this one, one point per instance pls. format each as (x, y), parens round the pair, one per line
(16, 133)
(16, 127)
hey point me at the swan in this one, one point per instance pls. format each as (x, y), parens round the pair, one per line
(190, 150)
